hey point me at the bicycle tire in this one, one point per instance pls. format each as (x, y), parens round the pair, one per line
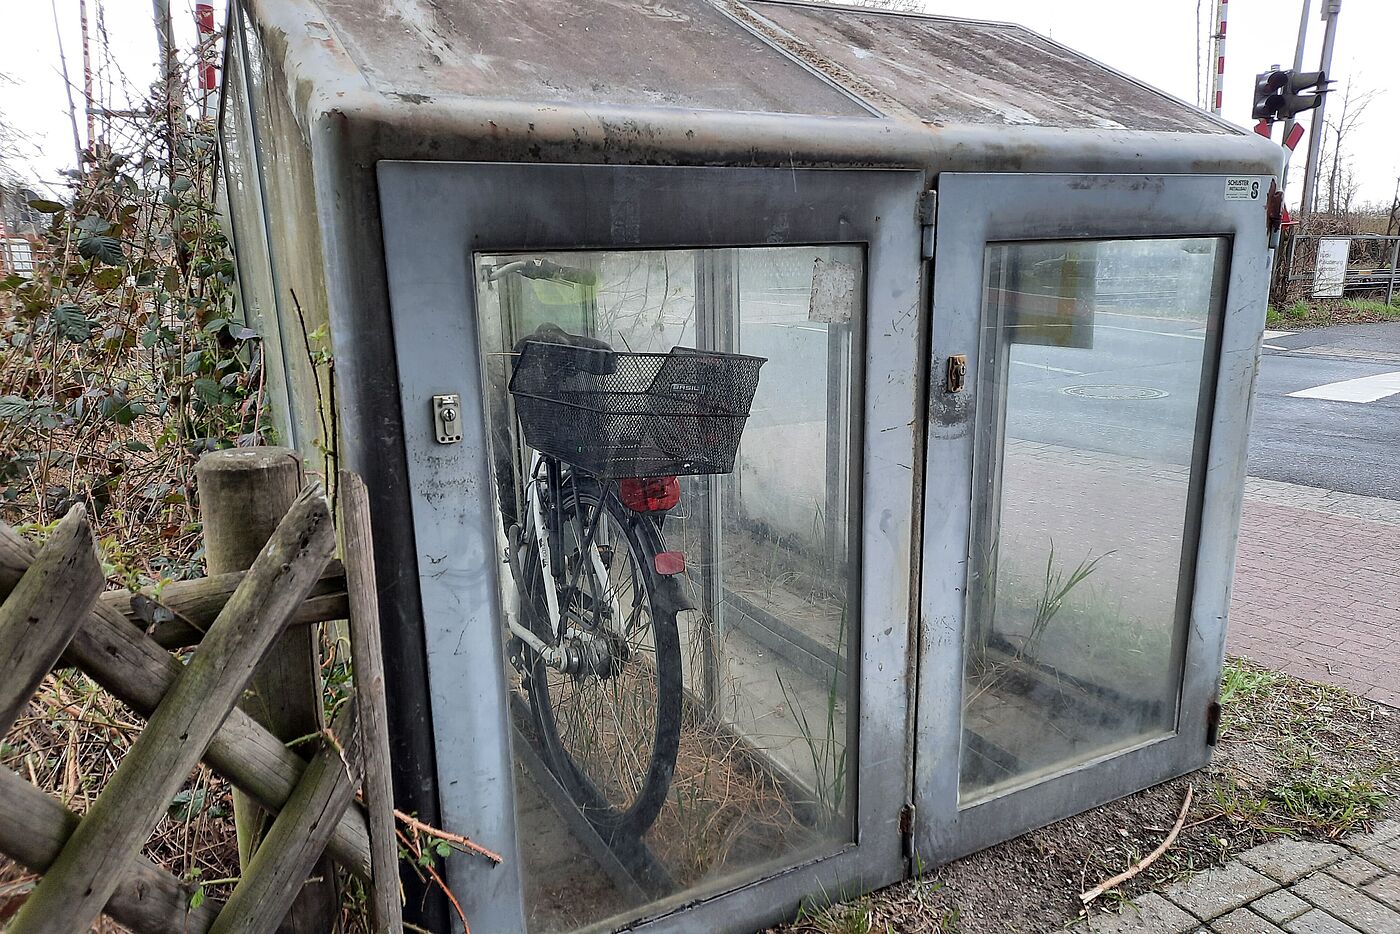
(611, 818)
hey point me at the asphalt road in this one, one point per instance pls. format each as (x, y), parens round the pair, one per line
(1085, 398)
(1349, 446)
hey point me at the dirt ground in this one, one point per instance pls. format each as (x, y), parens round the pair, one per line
(1294, 757)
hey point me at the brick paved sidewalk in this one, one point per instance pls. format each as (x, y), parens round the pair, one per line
(1317, 587)
(1283, 887)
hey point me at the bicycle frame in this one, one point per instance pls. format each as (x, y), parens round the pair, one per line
(546, 528)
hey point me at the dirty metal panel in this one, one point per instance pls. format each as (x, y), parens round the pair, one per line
(675, 53)
(951, 71)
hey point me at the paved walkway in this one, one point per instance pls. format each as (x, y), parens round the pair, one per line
(1282, 887)
(1317, 587)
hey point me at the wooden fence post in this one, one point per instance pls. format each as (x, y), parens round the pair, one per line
(243, 495)
(362, 593)
(108, 840)
(133, 668)
(40, 616)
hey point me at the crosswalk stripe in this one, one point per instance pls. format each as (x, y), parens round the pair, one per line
(1363, 389)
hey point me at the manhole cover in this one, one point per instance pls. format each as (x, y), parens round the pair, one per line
(1114, 392)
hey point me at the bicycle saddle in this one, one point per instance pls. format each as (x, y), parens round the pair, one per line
(572, 351)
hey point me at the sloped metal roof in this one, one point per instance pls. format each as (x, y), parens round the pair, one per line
(658, 53)
(952, 71)
(758, 56)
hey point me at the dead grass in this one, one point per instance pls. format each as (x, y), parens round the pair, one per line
(69, 742)
(1295, 758)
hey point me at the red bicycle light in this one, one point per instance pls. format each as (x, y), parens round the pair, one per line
(670, 563)
(649, 494)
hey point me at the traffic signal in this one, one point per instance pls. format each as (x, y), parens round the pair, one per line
(1294, 103)
(1267, 96)
(1276, 93)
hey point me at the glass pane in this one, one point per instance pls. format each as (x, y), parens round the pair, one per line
(676, 752)
(1092, 408)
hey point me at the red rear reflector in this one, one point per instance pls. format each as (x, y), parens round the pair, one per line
(670, 563)
(649, 494)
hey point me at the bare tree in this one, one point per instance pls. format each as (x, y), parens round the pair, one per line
(1341, 181)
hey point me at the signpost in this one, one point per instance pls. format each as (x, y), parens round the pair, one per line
(1330, 273)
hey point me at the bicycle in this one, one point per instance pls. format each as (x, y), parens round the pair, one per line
(599, 647)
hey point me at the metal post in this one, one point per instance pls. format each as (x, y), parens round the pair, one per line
(1330, 11)
(1222, 13)
(1394, 258)
(87, 77)
(1297, 67)
(208, 61)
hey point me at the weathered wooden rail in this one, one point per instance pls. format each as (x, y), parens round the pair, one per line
(52, 615)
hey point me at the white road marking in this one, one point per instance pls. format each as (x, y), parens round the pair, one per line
(1053, 369)
(1363, 389)
(1273, 347)
(1271, 335)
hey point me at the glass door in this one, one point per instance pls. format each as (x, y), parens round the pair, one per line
(1079, 579)
(667, 623)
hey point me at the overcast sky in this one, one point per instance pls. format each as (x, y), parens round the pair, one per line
(1153, 41)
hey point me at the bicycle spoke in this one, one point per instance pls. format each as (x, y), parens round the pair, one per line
(607, 726)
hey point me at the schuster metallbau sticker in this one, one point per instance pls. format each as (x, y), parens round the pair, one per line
(1242, 189)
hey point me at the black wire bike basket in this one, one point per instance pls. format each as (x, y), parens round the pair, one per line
(613, 414)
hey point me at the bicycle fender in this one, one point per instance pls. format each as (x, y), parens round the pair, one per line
(671, 596)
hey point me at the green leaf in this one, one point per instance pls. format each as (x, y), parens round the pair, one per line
(192, 361)
(197, 898)
(93, 224)
(13, 407)
(45, 206)
(209, 391)
(443, 849)
(70, 321)
(216, 325)
(138, 446)
(108, 278)
(240, 333)
(120, 409)
(102, 248)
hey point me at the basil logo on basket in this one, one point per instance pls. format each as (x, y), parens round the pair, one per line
(697, 388)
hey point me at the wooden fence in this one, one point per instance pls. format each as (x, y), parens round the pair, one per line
(53, 615)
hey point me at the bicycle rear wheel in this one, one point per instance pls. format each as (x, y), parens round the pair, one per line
(610, 730)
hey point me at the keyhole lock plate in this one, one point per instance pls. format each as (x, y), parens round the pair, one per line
(447, 418)
(957, 373)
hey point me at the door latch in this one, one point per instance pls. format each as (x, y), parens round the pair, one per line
(447, 418)
(956, 375)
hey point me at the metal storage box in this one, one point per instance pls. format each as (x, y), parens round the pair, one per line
(970, 571)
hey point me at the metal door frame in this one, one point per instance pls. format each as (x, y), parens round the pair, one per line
(974, 209)
(435, 216)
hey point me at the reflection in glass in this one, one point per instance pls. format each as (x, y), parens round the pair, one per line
(761, 773)
(1093, 395)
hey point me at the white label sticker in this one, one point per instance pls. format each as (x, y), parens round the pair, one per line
(1330, 272)
(1241, 189)
(833, 292)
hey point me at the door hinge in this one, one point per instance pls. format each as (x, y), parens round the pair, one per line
(906, 830)
(1213, 723)
(928, 218)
